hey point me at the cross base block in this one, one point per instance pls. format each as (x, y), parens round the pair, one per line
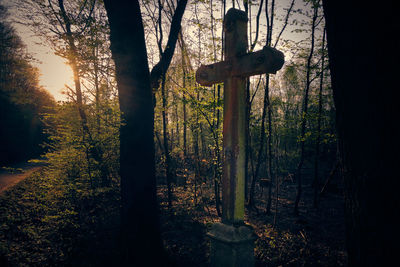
(231, 245)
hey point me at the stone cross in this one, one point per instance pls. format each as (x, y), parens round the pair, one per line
(233, 71)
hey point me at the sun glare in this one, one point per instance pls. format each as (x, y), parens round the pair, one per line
(55, 74)
(54, 70)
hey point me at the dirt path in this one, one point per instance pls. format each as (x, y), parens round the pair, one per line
(17, 173)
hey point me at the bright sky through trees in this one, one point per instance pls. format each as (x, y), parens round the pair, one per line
(55, 73)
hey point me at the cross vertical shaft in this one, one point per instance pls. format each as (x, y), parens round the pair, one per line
(234, 142)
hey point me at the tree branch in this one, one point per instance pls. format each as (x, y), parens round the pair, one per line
(285, 24)
(161, 67)
(257, 26)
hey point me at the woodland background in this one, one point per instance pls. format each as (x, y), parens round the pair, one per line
(68, 212)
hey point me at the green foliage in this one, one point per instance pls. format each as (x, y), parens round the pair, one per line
(44, 221)
(81, 158)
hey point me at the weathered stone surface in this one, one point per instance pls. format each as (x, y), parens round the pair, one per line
(267, 60)
(231, 246)
(233, 72)
(232, 242)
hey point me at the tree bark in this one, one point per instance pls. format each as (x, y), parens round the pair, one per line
(363, 53)
(141, 239)
(166, 56)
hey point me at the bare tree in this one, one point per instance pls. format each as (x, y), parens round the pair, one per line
(305, 109)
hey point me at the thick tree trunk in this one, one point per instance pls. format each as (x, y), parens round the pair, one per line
(363, 53)
(141, 240)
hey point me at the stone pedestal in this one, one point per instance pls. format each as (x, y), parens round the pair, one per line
(231, 246)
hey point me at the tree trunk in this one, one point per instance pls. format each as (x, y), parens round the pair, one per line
(270, 23)
(94, 149)
(177, 130)
(141, 239)
(364, 58)
(168, 170)
(269, 156)
(73, 56)
(184, 66)
(184, 123)
(248, 150)
(196, 158)
(251, 202)
(317, 142)
(305, 113)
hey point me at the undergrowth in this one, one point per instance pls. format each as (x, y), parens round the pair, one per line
(47, 221)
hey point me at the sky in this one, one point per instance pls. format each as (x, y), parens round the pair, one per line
(55, 73)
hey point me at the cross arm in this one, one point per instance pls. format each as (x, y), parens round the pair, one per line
(267, 60)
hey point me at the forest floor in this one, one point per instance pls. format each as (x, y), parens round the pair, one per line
(313, 238)
(10, 176)
(44, 221)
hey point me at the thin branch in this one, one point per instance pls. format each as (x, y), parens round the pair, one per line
(285, 24)
(159, 41)
(55, 14)
(257, 26)
(318, 74)
(269, 39)
(255, 92)
(88, 20)
(197, 105)
(83, 7)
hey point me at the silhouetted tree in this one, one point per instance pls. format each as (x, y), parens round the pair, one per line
(363, 53)
(140, 222)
